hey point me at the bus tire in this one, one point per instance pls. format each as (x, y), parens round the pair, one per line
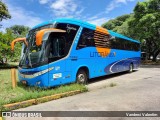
(81, 77)
(130, 68)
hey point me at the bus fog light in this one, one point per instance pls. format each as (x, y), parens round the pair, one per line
(39, 82)
(24, 82)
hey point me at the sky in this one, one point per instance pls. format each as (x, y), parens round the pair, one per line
(33, 12)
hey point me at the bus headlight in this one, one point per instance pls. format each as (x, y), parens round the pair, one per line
(38, 83)
(36, 74)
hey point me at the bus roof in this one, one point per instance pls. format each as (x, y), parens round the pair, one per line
(122, 36)
(83, 24)
(67, 20)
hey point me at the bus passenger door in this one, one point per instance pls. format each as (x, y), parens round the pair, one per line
(69, 70)
(56, 59)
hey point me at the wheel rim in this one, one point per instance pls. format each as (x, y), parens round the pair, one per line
(81, 78)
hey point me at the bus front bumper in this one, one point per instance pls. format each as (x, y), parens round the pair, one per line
(34, 78)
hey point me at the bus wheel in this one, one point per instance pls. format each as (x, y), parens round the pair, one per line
(131, 68)
(81, 77)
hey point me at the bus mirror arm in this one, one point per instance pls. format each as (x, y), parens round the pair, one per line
(40, 34)
(18, 40)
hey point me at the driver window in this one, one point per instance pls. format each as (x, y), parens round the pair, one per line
(57, 48)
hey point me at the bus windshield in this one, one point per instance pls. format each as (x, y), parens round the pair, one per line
(52, 48)
(55, 45)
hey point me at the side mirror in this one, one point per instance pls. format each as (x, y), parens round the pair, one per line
(42, 33)
(18, 40)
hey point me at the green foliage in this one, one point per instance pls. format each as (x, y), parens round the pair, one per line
(124, 28)
(6, 39)
(18, 30)
(112, 24)
(146, 25)
(11, 33)
(4, 14)
(119, 24)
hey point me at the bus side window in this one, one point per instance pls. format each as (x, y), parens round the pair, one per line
(113, 42)
(70, 34)
(90, 41)
(57, 47)
(86, 39)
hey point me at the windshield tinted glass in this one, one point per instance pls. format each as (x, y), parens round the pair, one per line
(54, 47)
(61, 42)
(33, 54)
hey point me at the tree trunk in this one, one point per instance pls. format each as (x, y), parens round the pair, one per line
(155, 55)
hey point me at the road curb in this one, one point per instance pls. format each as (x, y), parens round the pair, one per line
(26, 103)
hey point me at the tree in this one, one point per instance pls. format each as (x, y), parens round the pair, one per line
(146, 25)
(6, 39)
(120, 25)
(4, 13)
(112, 24)
(19, 30)
(124, 28)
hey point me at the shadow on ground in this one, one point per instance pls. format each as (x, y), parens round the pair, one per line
(97, 79)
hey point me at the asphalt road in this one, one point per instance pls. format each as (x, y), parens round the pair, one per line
(137, 91)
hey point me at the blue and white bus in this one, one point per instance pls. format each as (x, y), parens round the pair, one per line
(67, 50)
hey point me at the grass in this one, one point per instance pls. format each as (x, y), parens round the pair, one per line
(21, 93)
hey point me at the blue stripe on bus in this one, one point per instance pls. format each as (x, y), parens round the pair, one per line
(122, 65)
